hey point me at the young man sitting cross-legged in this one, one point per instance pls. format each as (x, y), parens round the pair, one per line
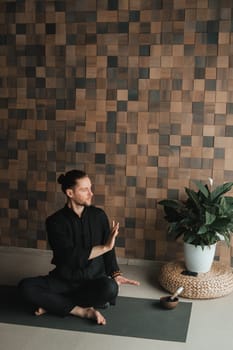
(86, 275)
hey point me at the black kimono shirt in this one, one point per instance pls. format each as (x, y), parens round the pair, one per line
(71, 238)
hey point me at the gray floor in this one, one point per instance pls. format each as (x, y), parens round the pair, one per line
(210, 324)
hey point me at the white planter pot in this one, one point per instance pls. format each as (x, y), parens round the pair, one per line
(198, 259)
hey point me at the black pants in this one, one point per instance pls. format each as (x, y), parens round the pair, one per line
(60, 297)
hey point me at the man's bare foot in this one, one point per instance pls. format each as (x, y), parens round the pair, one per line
(96, 315)
(88, 312)
(40, 311)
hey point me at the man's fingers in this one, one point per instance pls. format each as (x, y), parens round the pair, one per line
(127, 281)
(123, 280)
(115, 224)
(136, 283)
(115, 227)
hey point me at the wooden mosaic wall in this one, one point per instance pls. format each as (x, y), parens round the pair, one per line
(139, 93)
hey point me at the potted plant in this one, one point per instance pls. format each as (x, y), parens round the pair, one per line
(202, 219)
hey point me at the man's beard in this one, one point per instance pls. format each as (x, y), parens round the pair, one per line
(84, 203)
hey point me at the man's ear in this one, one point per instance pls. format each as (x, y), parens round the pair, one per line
(69, 192)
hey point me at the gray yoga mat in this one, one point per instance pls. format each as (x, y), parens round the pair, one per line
(130, 317)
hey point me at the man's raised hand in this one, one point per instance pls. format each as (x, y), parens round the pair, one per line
(112, 237)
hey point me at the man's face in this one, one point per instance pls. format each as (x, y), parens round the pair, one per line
(81, 194)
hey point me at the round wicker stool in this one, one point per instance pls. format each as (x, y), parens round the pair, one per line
(213, 284)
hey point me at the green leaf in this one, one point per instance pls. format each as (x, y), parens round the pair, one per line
(209, 218)
(189, 237)
(220, 190)
(227, 237)
(193, 197)
(202, 229)
(171, 203)
(203, 188)
(222, 224)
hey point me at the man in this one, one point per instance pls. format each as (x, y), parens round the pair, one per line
(86, 275)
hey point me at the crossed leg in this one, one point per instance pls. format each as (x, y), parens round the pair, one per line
(42, 291)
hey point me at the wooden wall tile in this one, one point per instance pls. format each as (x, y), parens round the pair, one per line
(137, 94)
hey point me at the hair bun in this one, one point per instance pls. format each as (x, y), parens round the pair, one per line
(61, 179)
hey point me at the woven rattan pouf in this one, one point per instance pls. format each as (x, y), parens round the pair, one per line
(213, 284)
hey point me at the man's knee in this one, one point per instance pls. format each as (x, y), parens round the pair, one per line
(110, 287)
(25, 286)
(29, 286)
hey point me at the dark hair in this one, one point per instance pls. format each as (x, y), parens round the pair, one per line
(69, 179)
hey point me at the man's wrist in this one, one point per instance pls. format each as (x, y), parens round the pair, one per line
(116, 273)
(105, 249)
